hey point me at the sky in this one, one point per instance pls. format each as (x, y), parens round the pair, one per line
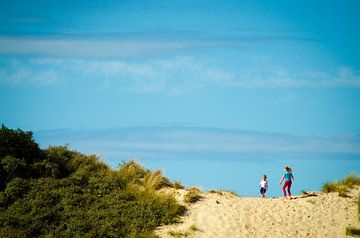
(290, 67)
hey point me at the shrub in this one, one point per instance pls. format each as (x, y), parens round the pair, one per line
(132, 172)
(16, 189)
(68, 194)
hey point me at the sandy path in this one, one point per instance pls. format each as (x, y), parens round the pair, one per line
(226, 215)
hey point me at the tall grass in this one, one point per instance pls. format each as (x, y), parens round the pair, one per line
(154, 181)
(342, 187)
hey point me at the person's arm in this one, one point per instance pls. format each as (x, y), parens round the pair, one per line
(267, 185)
(282, 179)
(292, 176)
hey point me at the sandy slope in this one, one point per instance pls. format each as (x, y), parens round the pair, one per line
(225, 215)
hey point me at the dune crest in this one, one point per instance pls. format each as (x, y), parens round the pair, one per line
(222, 214)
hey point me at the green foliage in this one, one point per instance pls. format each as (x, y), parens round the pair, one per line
(18, 151)
(67, 194)
(18, 144)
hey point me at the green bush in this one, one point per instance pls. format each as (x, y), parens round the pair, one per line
(67, 194)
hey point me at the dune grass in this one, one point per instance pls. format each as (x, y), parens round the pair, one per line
(342, 187)
(192, 196)
(179, 234)
(177, 185)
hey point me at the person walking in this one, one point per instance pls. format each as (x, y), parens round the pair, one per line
(263, 186)
(289, 178)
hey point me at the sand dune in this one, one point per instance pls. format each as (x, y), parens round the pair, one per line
(223, 214)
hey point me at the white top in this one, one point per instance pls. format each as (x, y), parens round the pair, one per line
(264, 184)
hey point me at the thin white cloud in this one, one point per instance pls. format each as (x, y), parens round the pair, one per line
(128, 45)
(175, 75)
(171, 141)
(93, 47)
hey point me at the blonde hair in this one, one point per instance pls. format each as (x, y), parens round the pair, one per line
(287, 168)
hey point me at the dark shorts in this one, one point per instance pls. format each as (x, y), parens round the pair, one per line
(262, 190)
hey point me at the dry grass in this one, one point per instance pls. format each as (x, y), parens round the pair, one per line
(154, 181)
(192, 196)
(178, 234)
(343, 186)
(177, 185)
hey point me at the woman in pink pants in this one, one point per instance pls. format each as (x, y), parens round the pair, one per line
(288, 177)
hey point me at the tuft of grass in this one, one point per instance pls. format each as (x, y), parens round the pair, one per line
(352, 231)
(192, 196)
(343, 191)
(177, 185)
(194, 228)
(232, 192)
(311, 201)
(329, 187)
(304, 193)
(351, 180)
(154, 181)
(178, 234)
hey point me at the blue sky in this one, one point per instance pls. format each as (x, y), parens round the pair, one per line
(269, 66)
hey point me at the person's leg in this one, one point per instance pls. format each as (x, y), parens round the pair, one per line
(283, 188)
(288, 188)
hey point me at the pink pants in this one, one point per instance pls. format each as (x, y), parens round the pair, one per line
(287, 185)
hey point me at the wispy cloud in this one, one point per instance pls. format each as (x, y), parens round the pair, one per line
(131, 44)
(177, 75)
(209, 142)
(17, 72)
(174, 75)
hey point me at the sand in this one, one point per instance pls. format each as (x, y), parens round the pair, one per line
(223, 214)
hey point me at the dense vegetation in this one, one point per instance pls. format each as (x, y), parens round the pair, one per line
(57, 192)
